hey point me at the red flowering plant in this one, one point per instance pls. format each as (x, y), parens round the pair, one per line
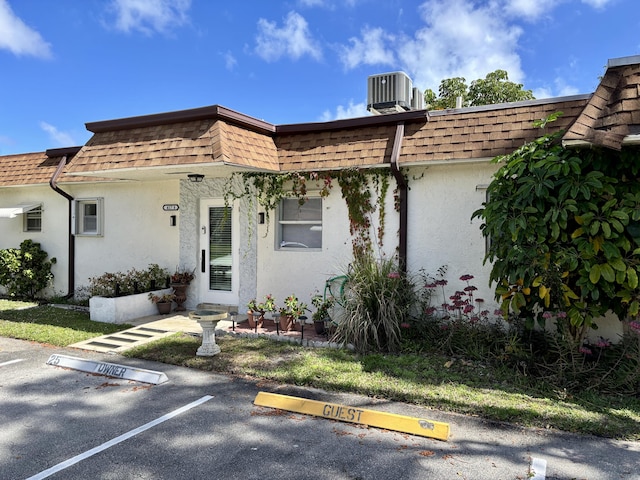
(182, 277)
(268, 305)
(461, 305)
(293, 307)
(458, 322)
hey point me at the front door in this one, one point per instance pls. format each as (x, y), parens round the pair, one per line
(218, 252)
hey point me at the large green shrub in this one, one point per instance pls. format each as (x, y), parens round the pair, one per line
(25, 271)
(564, 230)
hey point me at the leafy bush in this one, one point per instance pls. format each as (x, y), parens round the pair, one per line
(25, 271)
(130, 282)
(564, 226)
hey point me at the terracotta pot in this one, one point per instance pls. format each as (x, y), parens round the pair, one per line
(255, 318)
(286, 322)
(164, 307)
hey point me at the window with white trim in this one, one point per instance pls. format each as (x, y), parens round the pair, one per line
(88, 217)
(300, 226)
(33, 220)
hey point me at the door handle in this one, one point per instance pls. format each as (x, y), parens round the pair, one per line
(203, 262)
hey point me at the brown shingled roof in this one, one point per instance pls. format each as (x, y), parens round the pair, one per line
(614, 107)
(457, 134)
(32, 169)
(184, 142)
(207, 138)
(483, 132)
(334, 149)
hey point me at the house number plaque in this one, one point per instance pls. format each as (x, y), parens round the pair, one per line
(170, 207)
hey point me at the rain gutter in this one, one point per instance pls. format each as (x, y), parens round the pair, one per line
(402, 196)
(71, 240)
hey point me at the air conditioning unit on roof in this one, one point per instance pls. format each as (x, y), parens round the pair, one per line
(389, 93)
(417, 100)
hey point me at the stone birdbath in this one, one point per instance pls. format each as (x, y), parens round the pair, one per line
(208, 319)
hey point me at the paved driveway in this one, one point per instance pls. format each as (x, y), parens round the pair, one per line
(76, 425)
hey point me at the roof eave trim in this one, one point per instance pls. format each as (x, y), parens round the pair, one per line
(502, 106)
(448, 161)
(202, 113)
(386, 119)
(623, 61)
(61, 152)
(628, 140)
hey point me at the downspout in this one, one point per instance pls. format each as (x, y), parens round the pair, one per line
(72, 243)
(402, 197)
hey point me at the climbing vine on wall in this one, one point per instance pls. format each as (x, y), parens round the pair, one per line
(364, 191)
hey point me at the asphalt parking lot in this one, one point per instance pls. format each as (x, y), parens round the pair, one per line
(67, 424)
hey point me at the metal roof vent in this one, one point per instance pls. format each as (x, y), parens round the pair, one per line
(391, 92)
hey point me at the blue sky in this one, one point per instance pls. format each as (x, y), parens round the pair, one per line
(67, 62)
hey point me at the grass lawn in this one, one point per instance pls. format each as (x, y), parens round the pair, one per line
(434, 381)
(45, 324)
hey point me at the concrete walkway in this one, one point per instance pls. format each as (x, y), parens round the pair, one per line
(146, 329)
(155, 327)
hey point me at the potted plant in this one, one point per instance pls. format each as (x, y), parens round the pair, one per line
(163, 302)
(259, 309)
(182, 277)
(291, 312)
(321, 315)
(180, 280)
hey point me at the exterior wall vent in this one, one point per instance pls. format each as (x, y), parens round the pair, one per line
(390, 93)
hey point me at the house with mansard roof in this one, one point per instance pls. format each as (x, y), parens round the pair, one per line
(149, 189)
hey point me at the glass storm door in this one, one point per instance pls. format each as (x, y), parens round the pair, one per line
(218, 253)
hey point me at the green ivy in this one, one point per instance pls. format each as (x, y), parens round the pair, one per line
(25, 271)
(564, 230)
(358, 188)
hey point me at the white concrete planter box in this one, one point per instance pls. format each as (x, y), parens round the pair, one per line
(123, 309)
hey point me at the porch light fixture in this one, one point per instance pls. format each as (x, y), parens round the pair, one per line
(195, 177)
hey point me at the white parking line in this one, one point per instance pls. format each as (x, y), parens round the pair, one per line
(538, 469)
(11, 361)
(78, 458)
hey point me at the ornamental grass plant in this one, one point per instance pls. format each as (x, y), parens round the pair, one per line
(376, 304)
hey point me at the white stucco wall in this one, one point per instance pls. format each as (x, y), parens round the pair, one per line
(302, 272)
(137, 231)
(441, 202)
(53, 238)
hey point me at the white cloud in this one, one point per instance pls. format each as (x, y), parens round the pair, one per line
(293, 39)
(229, 60)
(372, 49)
(62, 139)
(17, 37)
(461, 39)
(312, 3)
(350, 111)
(148, 16)
(560, 89)
(529, 9)
(597, 3)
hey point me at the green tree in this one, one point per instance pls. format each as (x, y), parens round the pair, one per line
(448, 91)
(564, 226)
(494, 88)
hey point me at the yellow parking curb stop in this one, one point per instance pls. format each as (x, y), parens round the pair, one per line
(372, 418)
